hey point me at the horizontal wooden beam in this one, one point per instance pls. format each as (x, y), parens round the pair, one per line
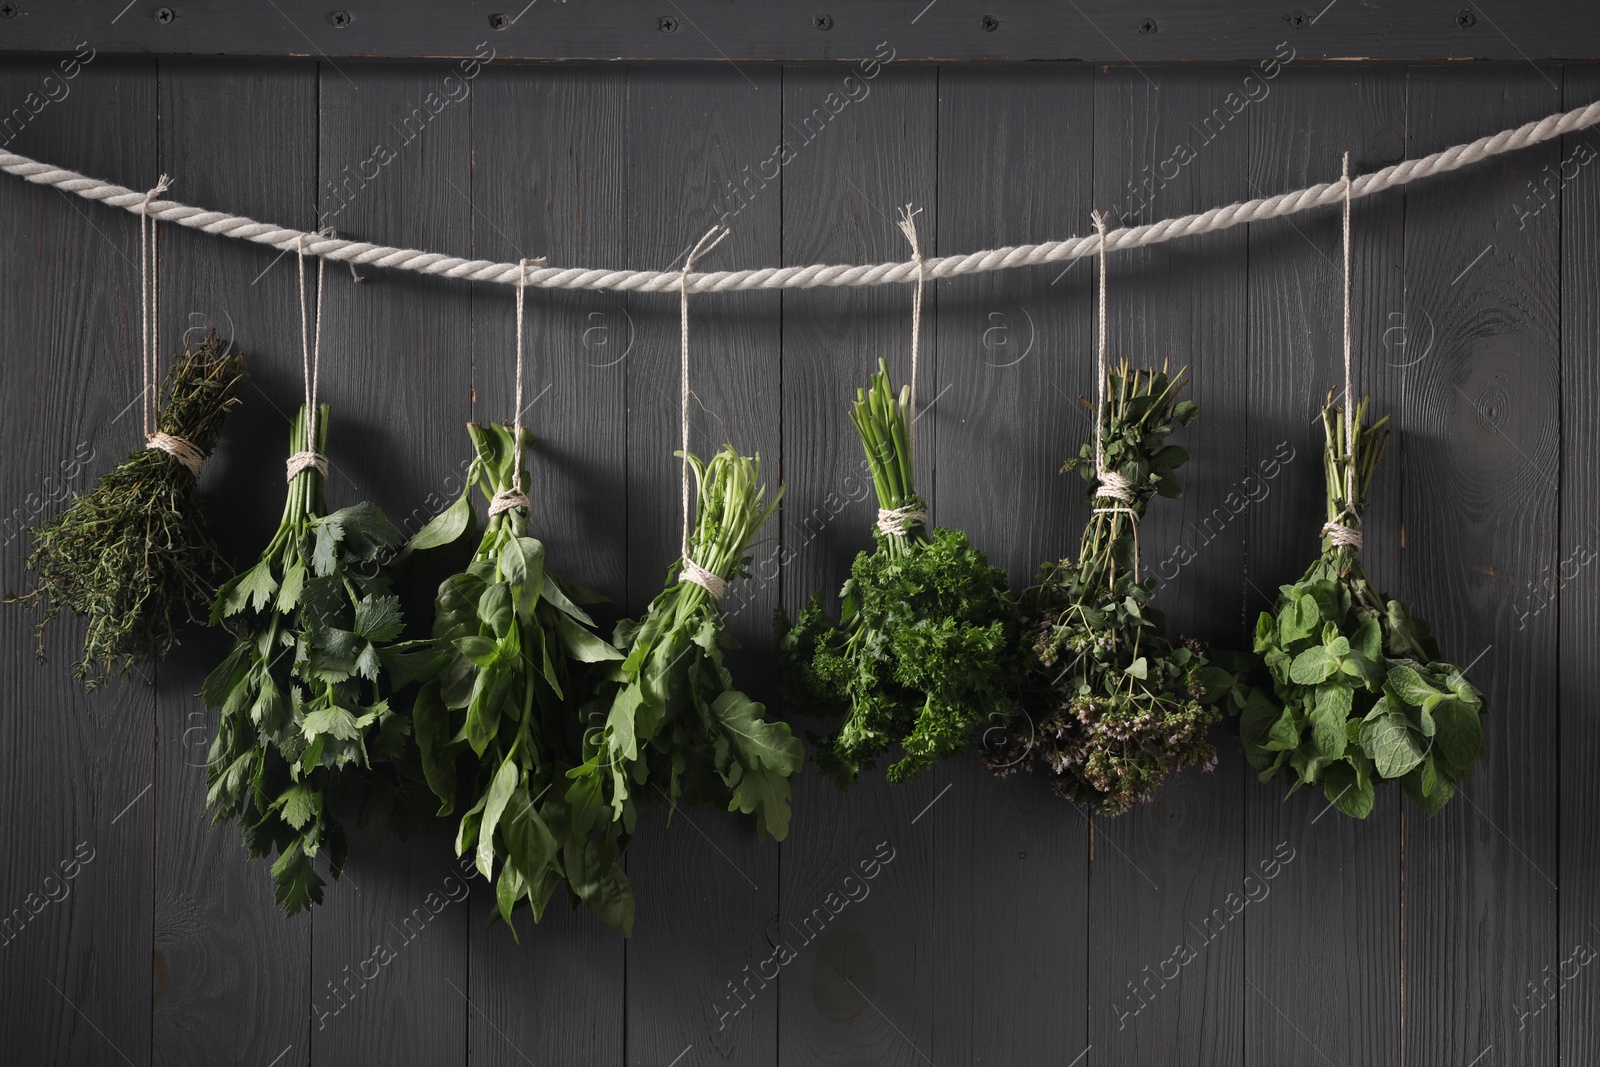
(1091, 31)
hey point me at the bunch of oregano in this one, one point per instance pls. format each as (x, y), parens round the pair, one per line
(132, 555)
(926, 646)
(668, 723)
(300, 697)
(1361, 694)
(515, 646)
(1115, 706)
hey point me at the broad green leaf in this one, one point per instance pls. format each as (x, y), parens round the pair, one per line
(498, 795)
(1459, 733)
(1406, 683)
(1284, 734)
(1394, 746)
(1313, 666)
(1368, 640)
(484, 651)
(558, 599)
(332, 721)
(445, 527)
(431, 724)
(522, 565)
(1348, 790)
(1139, 668)
(582, 644)
(377, 618)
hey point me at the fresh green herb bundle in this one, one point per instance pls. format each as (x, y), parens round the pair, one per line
(515, 646)
(132, 555)
(1120, 707)
(668, 723)
(299, 694)
(926, 645)
(1361, 692)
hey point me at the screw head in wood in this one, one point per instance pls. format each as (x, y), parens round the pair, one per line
(1297, 18)
(989, 23)
(1466, 19)
(667, 24)
(1148, 26)
(339, 19)
(822, 22)
(499, 21)
(165, 15)
(8, 11)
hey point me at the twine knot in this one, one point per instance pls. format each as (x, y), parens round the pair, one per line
(305, 461)
(1113, 485)
(893, 522)
(707, 580)
(1342, 535)
(506, 499)
(179, 449)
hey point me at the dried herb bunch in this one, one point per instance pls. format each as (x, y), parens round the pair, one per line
(301, 699)
(499, 723)
(1115, 707)
(132, 555)
(1360, 692)
(927, 642)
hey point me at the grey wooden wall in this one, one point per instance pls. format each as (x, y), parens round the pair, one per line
(1005, 926)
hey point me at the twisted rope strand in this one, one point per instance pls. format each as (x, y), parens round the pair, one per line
(806, 277)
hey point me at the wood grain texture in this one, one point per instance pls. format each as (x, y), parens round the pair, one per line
(548, 179)
(1087, 31)
(1160, 871)
(77, 769)
(1479, 444)
(230, 971)
(397, 372)
(1570, 578)
(706, 888)
(995, 924)
(1309, 991)
(859, 989)
(1011, 884)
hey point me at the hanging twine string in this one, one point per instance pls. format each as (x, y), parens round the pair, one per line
(311, 365)
(149, 329)
(1346, 529)
(506, 499)
(692, 571)
(1113, 486)
(902, 520)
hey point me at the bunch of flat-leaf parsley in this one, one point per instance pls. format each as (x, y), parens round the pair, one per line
(301, 703)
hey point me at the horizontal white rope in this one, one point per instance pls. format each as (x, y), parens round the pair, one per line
(364, 253)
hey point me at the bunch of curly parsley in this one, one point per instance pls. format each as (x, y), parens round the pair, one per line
(928, 637)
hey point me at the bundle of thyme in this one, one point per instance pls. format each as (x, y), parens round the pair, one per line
(1361, 695)
(132, 555)
(925, 649)
(300, 695)
(1116, 707)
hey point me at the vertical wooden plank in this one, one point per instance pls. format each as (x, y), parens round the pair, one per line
(395, 165)
(548, 180)
(77, 769)
(860, 986)
(1013, 858)
(231, 971)
(1579, 1011)
(1167, 143)
(706, 890)
(1309, 992)
(1480, 443)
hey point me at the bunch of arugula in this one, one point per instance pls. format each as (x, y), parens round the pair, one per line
(299, 695)
(1117, 708)
(515, 646)
(1361, 694)
(668, 724)
(132, 555)
(927, 642)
